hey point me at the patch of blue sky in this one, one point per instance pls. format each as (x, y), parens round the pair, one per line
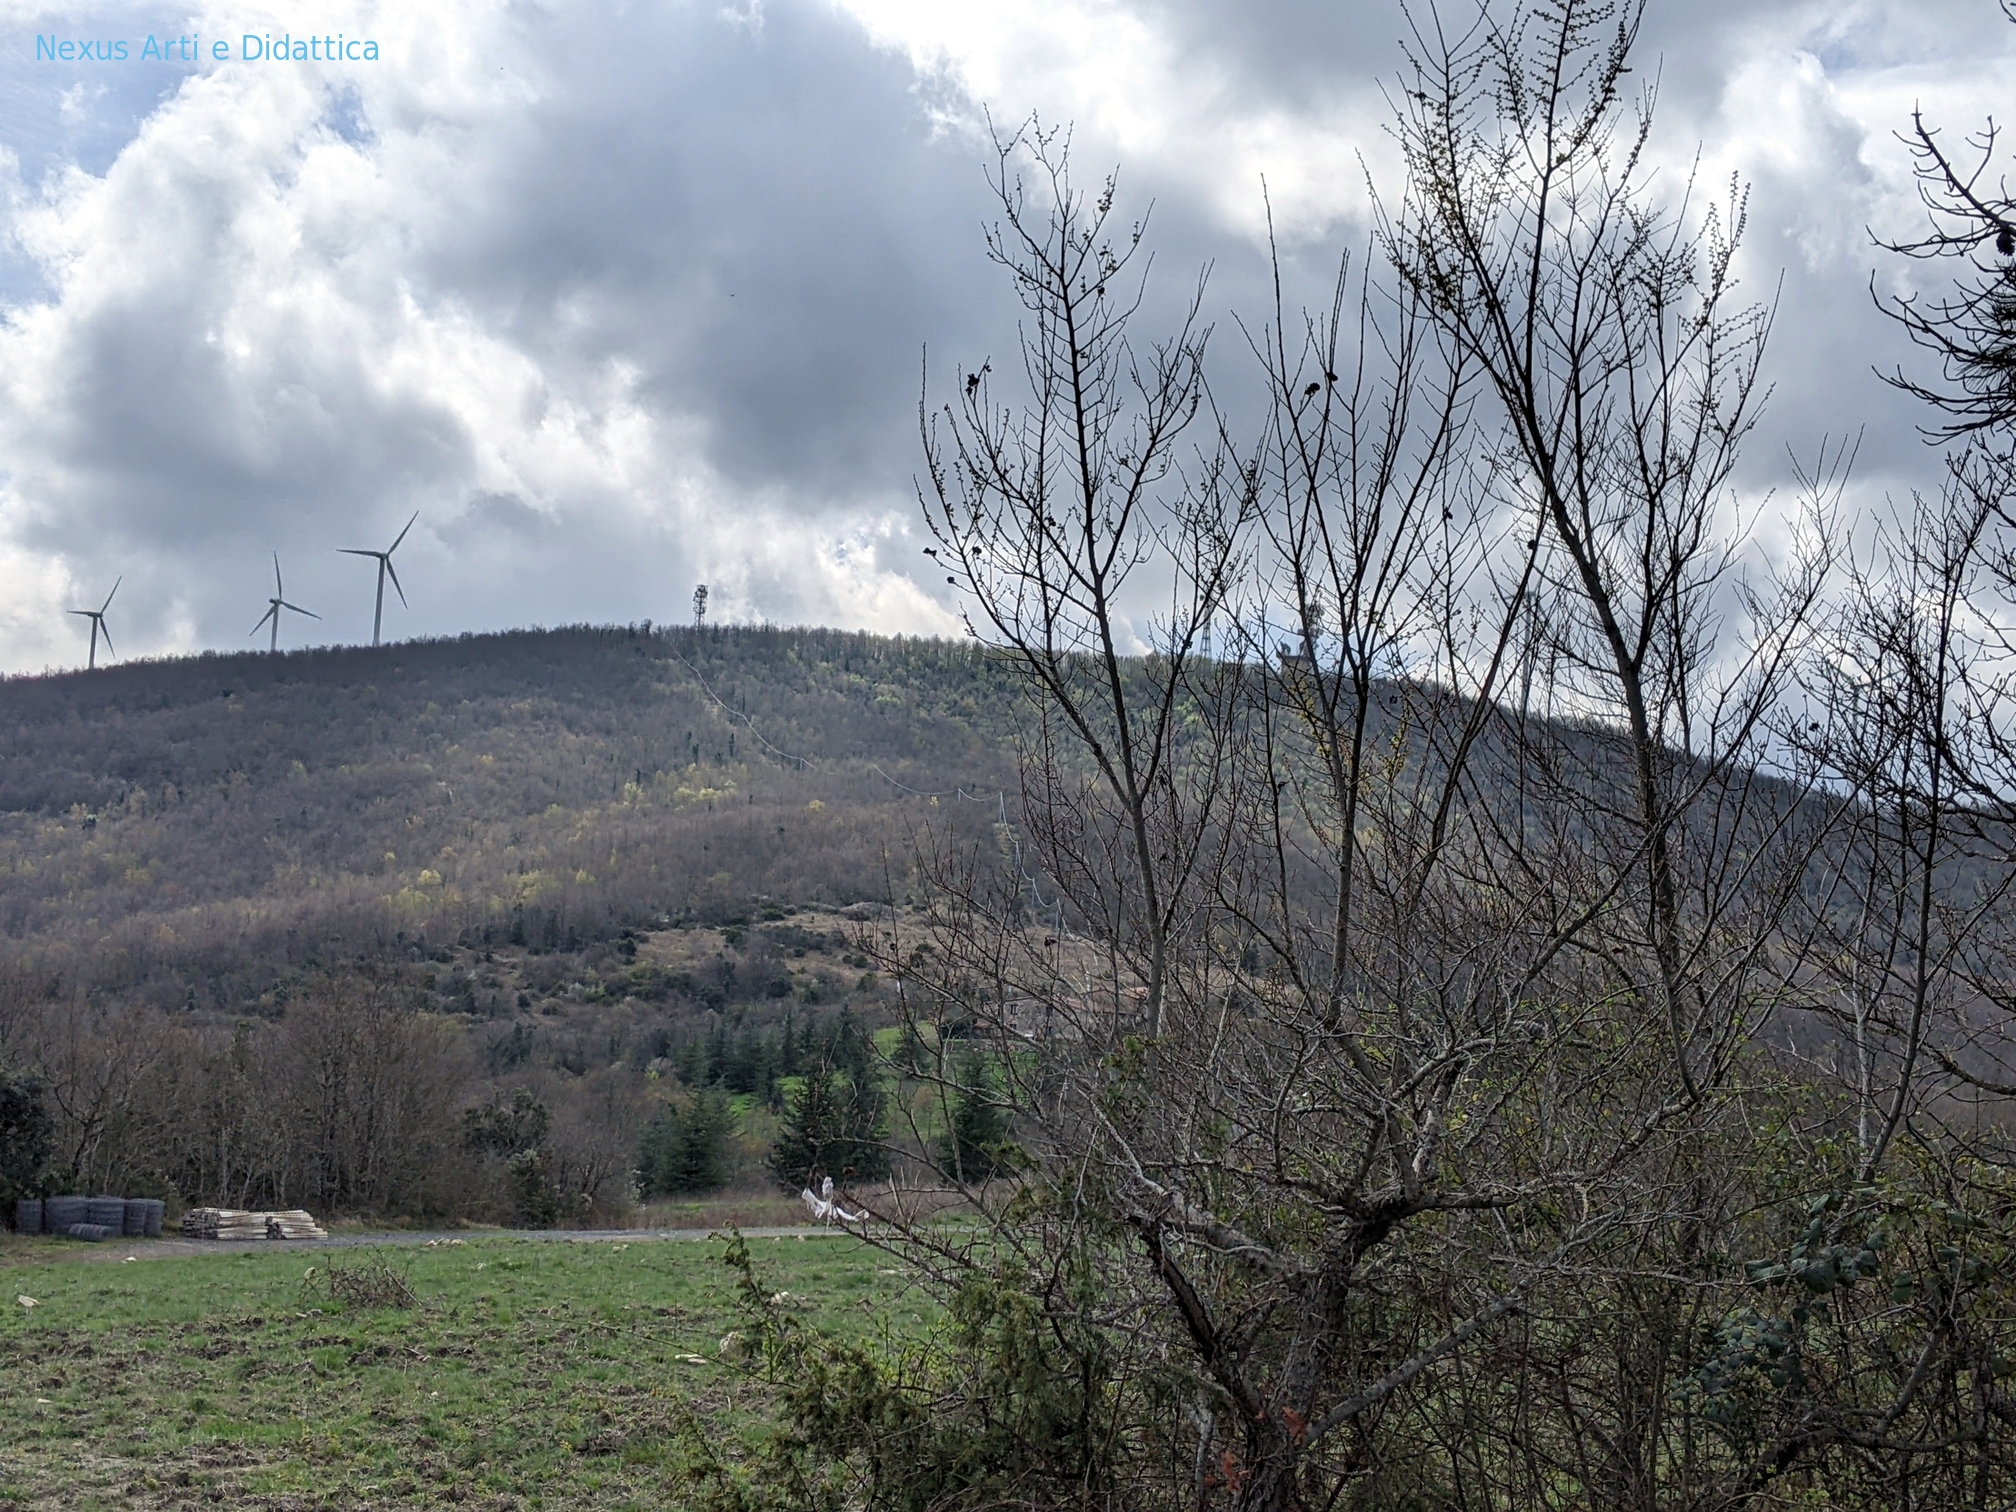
(344, 115)
(55, 113)
(61, 114)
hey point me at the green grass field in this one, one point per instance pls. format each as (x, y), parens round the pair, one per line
(531, 1374)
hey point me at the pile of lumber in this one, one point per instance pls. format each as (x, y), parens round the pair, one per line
(236, 1223)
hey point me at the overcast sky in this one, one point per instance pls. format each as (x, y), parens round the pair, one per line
(626, 297)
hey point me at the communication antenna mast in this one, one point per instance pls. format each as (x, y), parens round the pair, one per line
(699, 606)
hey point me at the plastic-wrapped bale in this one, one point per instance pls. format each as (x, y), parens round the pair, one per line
(91, 1233)
(133, 1222)
(59, 1213)
(107, 1212)
(27, 1215)
(155, 1209)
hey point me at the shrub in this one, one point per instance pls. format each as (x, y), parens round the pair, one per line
(27, 1133)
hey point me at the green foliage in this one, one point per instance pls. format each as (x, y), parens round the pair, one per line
(1818, 1261)
(745, 1060)
(1749, 1356)
(977, 1144)
(516, 1131)
(832, 1127)
(837, 1119)
(1888, 1302)
(685, 1149)
(535, 1201)
(506, 1128)
(27, 1133)
(869, 1423)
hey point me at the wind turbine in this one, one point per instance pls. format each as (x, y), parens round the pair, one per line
(275, 604)
(384, 571)
(97, 618)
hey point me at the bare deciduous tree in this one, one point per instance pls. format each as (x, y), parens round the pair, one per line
(1393, 1068)
(1972, 331)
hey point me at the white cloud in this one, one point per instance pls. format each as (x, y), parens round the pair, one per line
(624, 299)
(1139, 92)
(248, 343)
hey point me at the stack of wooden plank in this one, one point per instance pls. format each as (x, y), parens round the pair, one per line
(238, 1223)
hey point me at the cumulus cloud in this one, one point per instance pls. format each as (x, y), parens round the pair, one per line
(655, 302)
(625, 298)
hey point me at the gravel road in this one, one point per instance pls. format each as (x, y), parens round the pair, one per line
(169, 1246)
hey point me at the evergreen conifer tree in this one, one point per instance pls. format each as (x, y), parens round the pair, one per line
(976, 1146)
(27, 1133)
(834, 1124)
(685, 1149)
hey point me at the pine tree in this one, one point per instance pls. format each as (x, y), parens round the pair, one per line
(27, 1133)
(977, 1146)
(833, 1126)
(865, 1121)
(787, 1053)
(717, 1053)
(692, 1061)
(517, 1131)
(685, 1149)
(913, 1057)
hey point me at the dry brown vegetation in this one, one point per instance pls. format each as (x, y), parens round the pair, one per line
(186, 832)
(347, 1089)
(275, 925)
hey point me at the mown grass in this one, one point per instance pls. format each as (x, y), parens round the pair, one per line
(533, 1374)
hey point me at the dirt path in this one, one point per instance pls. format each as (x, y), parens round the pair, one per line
(168, 1247)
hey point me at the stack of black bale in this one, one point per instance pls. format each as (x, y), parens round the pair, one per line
(90, 1218)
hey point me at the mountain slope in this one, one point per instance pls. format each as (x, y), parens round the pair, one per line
(185, 828)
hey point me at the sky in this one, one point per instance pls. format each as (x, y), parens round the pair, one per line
(625, 297)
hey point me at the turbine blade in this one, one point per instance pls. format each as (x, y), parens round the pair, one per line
(87, 613)
(393, 573)
(353, 551)
(108, 637)
(108, 597)
(299, 610)
(278, 591)
(262, 621)
(402, 534)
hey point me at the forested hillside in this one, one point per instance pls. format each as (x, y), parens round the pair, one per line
(467, 928)
(188, 827)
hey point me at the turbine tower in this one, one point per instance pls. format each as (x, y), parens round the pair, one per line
(97, 618)
(385, 570)
(274, 605)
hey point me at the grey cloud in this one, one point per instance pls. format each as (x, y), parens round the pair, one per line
(760, 223)
(761, 216)
(490, 515)
(1809, 248)
(661, 316)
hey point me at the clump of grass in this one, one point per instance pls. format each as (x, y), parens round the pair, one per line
(368, 1283)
